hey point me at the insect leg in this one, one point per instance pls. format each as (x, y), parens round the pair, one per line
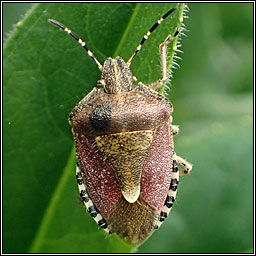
(79, 40)
(175, 129)
(186, 166)
(163, 52)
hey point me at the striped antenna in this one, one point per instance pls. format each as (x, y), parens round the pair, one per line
(146, 36)
(79, 40)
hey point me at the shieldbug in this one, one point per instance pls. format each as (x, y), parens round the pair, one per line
(127, 170)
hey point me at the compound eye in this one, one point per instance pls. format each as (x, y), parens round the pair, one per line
(100, 117)
(101, 83)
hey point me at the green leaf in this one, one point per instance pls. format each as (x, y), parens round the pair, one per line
(46, 73)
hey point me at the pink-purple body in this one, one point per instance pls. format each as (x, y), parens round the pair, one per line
(124, 146)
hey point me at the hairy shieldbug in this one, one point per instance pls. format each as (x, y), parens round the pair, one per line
(127, 170)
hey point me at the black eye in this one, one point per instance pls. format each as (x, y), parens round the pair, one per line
(100, 117)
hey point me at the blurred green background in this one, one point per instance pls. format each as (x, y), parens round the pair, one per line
(212, 94)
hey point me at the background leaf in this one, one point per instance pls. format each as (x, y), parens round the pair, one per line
(46, 73)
